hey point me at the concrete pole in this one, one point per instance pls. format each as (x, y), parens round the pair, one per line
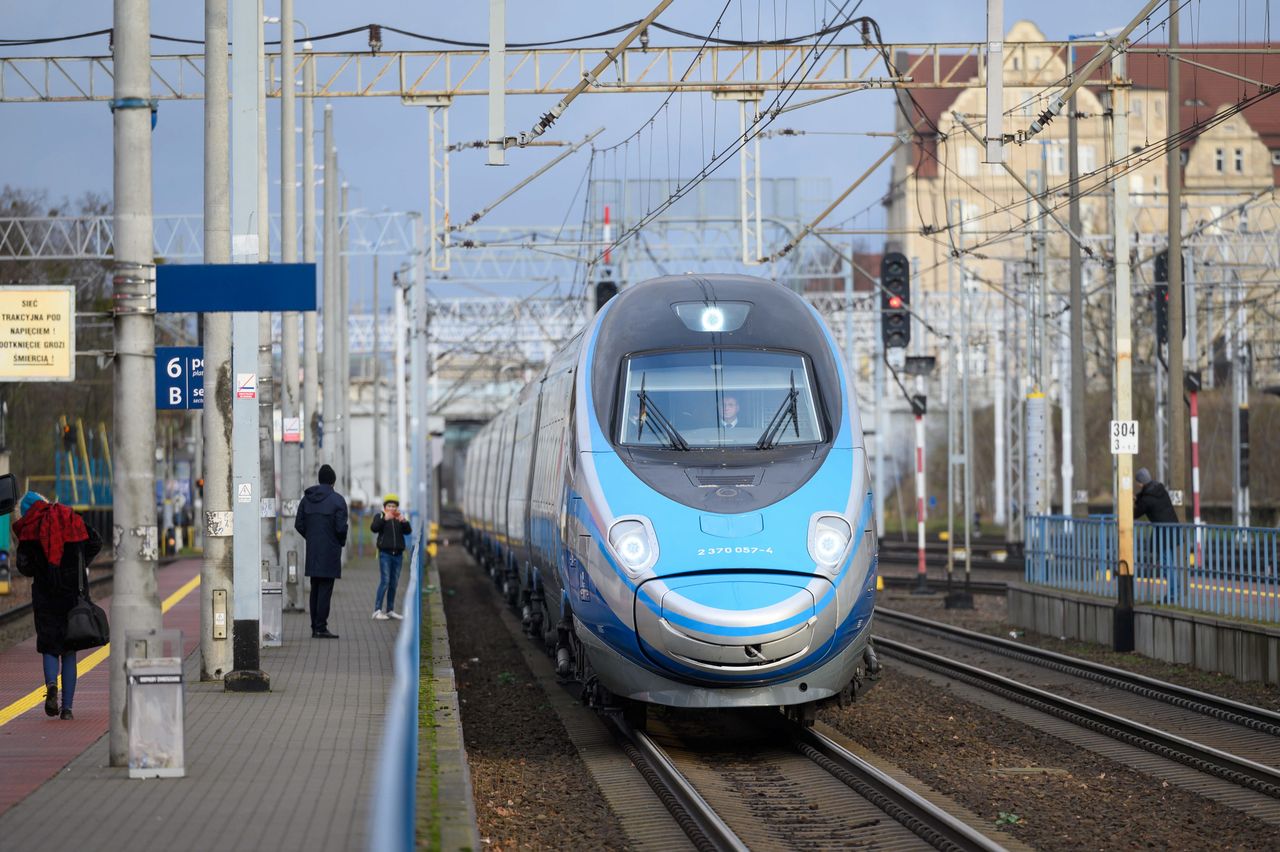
(329, 415)
(497, 82)
(377, 391)
(1064, 360)
(1177, 481)
(344, 343)
(135, 604)
(270, 551)
(246, 247)
(952, 218)
(216, 569)
(999, 513)
(290, 399)
(882, 425)
(964, 600)
(401, 479)
(310, 345)
(1079, 447)
(1123, 634)
(421, 443)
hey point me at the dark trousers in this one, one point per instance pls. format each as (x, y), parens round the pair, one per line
(321, 594)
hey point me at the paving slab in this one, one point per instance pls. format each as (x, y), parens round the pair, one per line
(288, 769)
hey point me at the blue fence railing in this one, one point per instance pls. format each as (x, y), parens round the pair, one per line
(393, 815)
(1223, 570)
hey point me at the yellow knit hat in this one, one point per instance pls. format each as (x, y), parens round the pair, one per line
(391, 498)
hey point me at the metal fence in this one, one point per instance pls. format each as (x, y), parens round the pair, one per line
(393, 816)
(1212, 568)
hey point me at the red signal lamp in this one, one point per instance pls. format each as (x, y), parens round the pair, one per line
(895, 302)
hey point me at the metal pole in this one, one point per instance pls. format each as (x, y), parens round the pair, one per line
(882, 426)
(497, 82)
(964, 600)
(216, 568)
(999, 514)
(994, 147)
(270, 552)
(1177, 481)
(1078, 448)
(402, 415)
(310, 345)
(290, 400)
(952, 218)
(135, 605)
(377, 390)
(1067, 412)
(245, 248)
(1122, 627)
(329, 416)
(344, 349)
(418, 430)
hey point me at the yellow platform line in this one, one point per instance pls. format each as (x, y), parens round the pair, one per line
(83, 667)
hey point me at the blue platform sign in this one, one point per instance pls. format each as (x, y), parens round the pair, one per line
(179, 377)
(234, 287)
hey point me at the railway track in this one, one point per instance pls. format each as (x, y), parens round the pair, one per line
(756, 781)
(978, 587)
(1233, 742)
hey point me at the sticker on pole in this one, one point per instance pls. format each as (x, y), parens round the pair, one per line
(244, 492)
(1124, 437)
(291, 430)
(246, 385)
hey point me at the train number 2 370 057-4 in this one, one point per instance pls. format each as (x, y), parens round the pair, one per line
(720, 551)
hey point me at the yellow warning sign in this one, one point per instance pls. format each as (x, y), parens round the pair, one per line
(37, 334)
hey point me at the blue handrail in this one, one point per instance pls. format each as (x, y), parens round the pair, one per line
(1213, 568)
(393, 815)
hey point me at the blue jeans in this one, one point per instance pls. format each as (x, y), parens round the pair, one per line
(68, 661)
(389, 566)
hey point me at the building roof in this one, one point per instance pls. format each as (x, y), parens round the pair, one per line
(1204, 92)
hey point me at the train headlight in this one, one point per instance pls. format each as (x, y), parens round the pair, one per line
(829, 537)
(634, 543)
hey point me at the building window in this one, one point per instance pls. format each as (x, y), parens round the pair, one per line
(1239, 161)
(1057, 157)
(1219, 160)
(1088, 162)
(969, 214)
(968, 165)
(1275, 157)
(1135, 184)
(1183, 157)
(1135, 106)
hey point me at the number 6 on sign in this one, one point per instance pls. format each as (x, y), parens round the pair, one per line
(1124, 437)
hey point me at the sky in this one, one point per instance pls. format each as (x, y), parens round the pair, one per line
(66, 149)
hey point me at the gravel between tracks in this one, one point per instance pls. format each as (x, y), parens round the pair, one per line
(531, 789)
(990, 615)
(1046, 792)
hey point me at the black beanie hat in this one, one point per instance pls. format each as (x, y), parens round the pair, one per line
(327, 476)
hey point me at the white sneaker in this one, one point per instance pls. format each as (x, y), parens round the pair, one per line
(379, 615)
(393, 614)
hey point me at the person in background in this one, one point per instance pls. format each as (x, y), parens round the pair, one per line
(322, 522)
(393, 530)
(1152, 499)
(729, 413)
(54, 545)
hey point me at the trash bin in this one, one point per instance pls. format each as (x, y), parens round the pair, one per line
(156, 702)
(271, 623)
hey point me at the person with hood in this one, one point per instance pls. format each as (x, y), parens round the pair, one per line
(1152, 499)
(322, 522)
(393, 532)
(54, 545)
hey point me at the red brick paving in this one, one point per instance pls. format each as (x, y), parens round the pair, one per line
(34, 747)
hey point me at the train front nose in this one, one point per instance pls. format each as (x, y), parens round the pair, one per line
(735, 626)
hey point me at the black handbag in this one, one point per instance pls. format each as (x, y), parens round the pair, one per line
(86, 621)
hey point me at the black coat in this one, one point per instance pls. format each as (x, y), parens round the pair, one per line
(322, 521)
(54, 590)
(1153, 501)
(393, 536)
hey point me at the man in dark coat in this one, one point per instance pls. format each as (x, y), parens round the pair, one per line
(54, 544)
(322, 522)
(1152, 500)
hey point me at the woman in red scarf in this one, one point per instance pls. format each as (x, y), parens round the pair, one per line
(52, 542)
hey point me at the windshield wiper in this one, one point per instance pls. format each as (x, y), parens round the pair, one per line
(778, 423)
(661, 427)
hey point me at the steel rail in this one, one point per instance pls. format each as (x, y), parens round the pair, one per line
(1211, 761)
(699, 820)
(927, 820)
(1236, 712)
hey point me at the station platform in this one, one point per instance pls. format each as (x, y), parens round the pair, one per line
(288, 769)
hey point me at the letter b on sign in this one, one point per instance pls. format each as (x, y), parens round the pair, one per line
(175, 396)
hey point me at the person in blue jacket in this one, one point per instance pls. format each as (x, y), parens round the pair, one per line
(322, 522)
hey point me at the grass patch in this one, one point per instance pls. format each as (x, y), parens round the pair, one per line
(428, 811)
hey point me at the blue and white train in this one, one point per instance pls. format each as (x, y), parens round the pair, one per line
(680, 505)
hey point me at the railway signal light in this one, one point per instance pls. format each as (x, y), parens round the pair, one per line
(1162, 314)
(895, 297)
(1162, 298)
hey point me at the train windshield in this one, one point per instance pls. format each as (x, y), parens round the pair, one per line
(716, 398)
